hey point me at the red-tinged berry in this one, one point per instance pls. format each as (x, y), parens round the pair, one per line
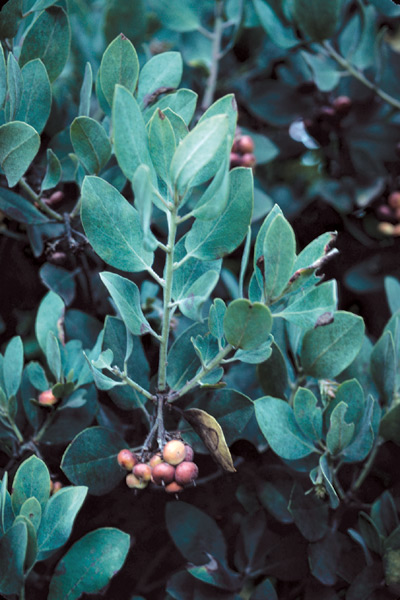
(235, 145)
(57, 258)
(55, 198)
(245, 145)
(135, 483)
(163, 473)
(326, 114)
(142, 472)
(342, 105)
(384, 211)
(189, 453)
(174, 452)
(47, 398)
(235, 159)
(186, 472)
(127, 459)
(248, 160)
(394, 199)
(156, 459)
(173, 488)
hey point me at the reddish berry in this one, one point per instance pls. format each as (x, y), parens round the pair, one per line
(235, 145)
(327, 114)
(47, 398)
(248, 160)
(134, 482)
(163, 473)
(189, 452)
(156, 459)
(142, 472)
(394, 199)
(174, 452)
(186, 473)
(384, 211)
(342, 105)
(235, 159)
(245, 145)
(55, 198)
(127, 459)
(57, 258)
(173, 488)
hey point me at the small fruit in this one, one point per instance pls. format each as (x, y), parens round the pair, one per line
(163, 473)
(57, 258)
(57, 485)
(47, 398)
(135, 483)
(245, 145)
(235, 159)
(173, 488)
(248, 160)
(189, 453)
(386, 228)
(394, 199)
(156, 459)
(174, 452)
(55, 198)
(327, 114)
(383, 211)
(127, 459)
(186, 473)
(142, 472)
(342, 105)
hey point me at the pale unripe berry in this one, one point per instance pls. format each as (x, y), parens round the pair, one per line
(142, 472)
(186, 473)
(163, 473)
(135, 483)
(127, 459)
(173, 488)
(174, 452)
(156, 459)
(47, 398)
(57, 485)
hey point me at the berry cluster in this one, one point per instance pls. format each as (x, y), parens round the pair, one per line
(173, 468)
(242, 151)
(390, 213)
(328, 119)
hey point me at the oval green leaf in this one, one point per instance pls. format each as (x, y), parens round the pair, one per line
(247, 325)
(89, 564)
(278, 424)
(119, 65)
(113, 226)
(49, 39)
(328, 349)
(19, 144)
(90, 143)
(91, 460)
(35, 103)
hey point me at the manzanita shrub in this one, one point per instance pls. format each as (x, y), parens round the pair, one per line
(219, 332)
